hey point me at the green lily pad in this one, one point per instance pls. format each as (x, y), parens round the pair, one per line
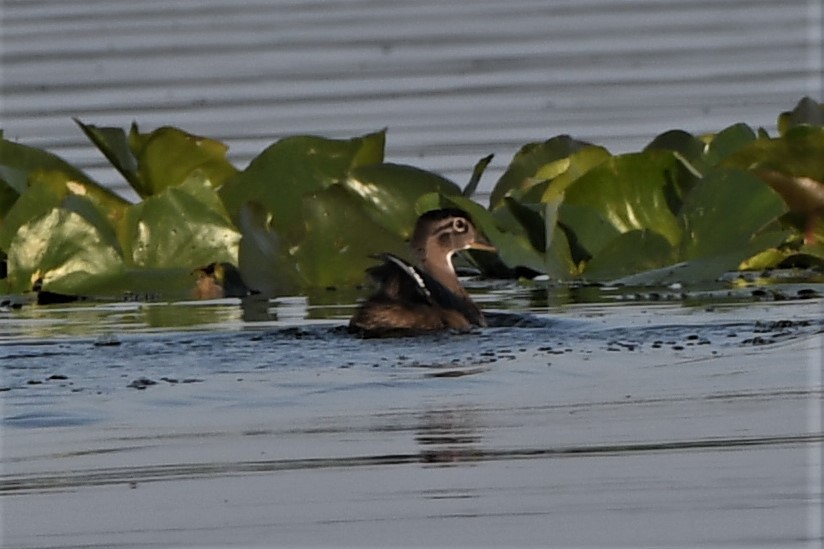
(807, 112)
(629, 192)
(65, 252)
(574, 167)
(592, 229)
(51, 189)
(8, 196)
(168, 156)
(390, 191)
(281, 175)
(477, 173)
(727, 142)
(22, 166)
(114, 145)
(183, 226)
(17, 161)
(629, 253)
(726, 210)
(684, 143)
(339, 240)
(528, 160)
(263, 256)
(797, 153)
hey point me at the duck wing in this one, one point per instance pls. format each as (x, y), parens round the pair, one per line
(402, 281)
(399, 280)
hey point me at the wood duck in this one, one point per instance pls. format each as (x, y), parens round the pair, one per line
(426, 296)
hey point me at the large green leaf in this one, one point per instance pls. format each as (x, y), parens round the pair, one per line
(528, 160)
(725, 211)
(65, 251)
(475, 178)
(390, 192)
(183, 226)
(50, 189)
(705, 268)
(562, 173)
(263, 256)
(8, 196)
(168, 156)
(114, 145)
(591, 228)
(629, 253)
(339, 239)
(689, 147)
(806, 112)
(18, 161)
(281, 175)
(22, 166)
(798, 153)
(727, 142)
(629, 192)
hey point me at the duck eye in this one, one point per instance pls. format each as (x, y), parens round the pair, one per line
(460, 225)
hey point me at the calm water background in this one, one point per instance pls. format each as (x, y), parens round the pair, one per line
(452, 81)
(599, 425)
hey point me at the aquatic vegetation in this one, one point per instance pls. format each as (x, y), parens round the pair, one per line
(309, 212)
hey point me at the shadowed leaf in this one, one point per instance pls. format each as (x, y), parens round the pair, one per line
(390, 191)
(339, 239)
(528, 160)
(629, 253)
(280, 176)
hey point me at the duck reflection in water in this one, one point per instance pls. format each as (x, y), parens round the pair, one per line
(449, 436)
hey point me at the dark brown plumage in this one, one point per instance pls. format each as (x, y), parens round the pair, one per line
(425, 296)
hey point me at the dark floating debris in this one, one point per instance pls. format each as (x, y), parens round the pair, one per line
(107, 340)
(141, 383)
(56, 377)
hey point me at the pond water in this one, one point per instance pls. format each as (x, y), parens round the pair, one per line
(580, 418)
(677, 423)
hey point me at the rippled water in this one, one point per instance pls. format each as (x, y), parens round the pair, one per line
(580, 418)
(667, 423)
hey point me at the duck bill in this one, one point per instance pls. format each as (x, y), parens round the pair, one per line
(482, 245)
